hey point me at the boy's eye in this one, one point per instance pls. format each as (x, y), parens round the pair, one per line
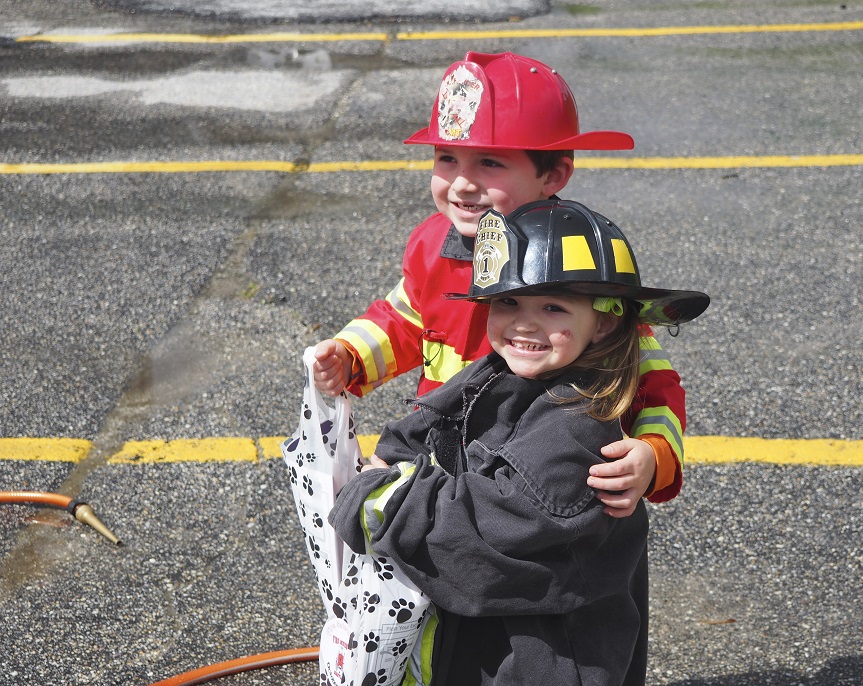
(509, 302)
(554, 308)
(445, 158)
(491, 163)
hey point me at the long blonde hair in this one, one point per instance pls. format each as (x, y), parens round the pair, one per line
(614, 362)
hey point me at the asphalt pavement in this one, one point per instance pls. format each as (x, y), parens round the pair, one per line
(167, 305)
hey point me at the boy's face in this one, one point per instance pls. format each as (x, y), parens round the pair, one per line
(542, 333)
(468, 181)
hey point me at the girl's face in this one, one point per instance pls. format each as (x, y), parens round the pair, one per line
(468, 181)
(542, 333)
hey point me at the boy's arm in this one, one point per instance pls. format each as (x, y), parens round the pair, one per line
(384, 341)
(658, 415)
(650, 466)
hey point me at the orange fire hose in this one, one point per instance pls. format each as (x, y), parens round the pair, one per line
(84, 513)
(243, 664)
(78, 509)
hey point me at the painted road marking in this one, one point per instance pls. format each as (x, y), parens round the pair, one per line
(187, 450)
(699, 450)
(645, 32)
(280, 37)
(728, 162)
(48, 449)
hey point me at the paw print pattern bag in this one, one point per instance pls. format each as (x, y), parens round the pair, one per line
(374, 613)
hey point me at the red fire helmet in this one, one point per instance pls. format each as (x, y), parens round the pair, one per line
(510, 101)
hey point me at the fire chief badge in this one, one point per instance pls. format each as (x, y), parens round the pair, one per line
(491, 251)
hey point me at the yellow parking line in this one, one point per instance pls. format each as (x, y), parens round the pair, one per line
(723, 449)
(280, 37)
(201, 38)
(187, 450)
(47, 449)
(631, 32)
(730, 162)
(699, 450)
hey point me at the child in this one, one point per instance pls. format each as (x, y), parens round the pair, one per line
(504, 128)
(486, 507)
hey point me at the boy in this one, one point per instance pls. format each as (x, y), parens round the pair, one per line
(504, 128)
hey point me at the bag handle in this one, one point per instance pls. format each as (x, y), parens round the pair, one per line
(340, 415)
(314, 398)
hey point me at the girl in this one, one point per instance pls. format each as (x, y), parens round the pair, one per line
(480, 495)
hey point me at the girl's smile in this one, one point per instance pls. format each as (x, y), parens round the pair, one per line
(537, 334)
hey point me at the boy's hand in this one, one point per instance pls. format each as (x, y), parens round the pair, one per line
(332, 369)
(622, 482)
(375, 463)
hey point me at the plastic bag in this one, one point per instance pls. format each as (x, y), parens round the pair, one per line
(322, 455)
(375, 614)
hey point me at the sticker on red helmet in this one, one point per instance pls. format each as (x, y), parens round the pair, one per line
(458, 103)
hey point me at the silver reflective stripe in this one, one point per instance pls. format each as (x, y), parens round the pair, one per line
(374, 348)
(397, 297)
(662, 424)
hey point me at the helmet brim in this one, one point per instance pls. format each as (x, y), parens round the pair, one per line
(590, 140)
(658, 306)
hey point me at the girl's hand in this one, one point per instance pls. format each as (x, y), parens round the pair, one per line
(375, 463)
(621, 483)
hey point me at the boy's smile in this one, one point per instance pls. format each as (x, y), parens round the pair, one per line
(468, 181)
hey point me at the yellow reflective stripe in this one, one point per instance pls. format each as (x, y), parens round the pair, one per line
(445, 361)
(373, 346)
(401, 303)
(420, 660)
(427, 645)
(407, 469)
(372, 514)
(662, 421)
(623, 261)
(652, 356)
(576, 254)
(368, 511)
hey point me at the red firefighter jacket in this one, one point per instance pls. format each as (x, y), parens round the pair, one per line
(415, 326)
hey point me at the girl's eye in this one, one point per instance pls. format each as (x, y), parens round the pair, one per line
(509, 302)
(554, 308)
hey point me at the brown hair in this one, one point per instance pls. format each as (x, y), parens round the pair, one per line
(614, 361)
(546, 160)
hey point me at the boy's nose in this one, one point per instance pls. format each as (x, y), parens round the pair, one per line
(463, 183)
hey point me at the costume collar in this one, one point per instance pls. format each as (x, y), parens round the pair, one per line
(457, 247)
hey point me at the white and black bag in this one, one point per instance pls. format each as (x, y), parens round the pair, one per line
(375, 614)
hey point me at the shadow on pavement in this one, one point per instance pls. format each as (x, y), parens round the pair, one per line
(845, 671)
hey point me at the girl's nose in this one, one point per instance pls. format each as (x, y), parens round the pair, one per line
(524, 323)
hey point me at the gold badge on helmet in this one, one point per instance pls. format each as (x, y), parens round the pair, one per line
(491, 252)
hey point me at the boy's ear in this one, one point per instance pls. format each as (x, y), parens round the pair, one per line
(606, 323)
(557, 178)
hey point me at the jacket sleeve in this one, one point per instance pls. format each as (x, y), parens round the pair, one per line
(487, 544)
(384, 341)
(659, 409)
